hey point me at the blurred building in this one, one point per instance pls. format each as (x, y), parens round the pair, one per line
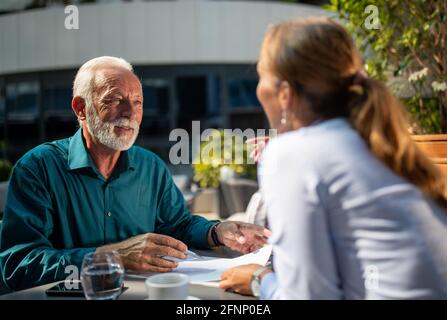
(196, 60)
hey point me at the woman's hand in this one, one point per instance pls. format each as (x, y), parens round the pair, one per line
(239, 278)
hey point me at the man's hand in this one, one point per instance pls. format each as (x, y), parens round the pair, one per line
(239, 278)
(143, 253)
(241, 236)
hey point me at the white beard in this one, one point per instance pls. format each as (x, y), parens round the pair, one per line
(103, 130)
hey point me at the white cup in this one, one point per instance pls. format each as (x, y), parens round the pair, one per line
(167, 286)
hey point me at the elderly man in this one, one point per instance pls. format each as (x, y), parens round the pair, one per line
(95, 191)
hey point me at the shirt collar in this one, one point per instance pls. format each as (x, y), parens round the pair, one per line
(79, 157)
(126, 161)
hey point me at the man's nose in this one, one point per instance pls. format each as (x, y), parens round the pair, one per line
(128, 108)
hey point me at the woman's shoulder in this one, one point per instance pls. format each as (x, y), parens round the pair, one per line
(291, 152)
(326, 137)
(323, 149)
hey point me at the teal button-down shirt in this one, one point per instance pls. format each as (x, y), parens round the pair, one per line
(59, 207)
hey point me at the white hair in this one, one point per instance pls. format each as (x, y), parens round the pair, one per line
(84, 81)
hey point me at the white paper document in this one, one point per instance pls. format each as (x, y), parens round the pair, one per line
(203, 268)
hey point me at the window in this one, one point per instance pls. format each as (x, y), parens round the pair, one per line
(156, 95)
(242, 93)
(156, 106)
(214, 95)
(192, 100)
(21, 125)
(2, 102)
(21, 98)
(57, 98)
(2, 116)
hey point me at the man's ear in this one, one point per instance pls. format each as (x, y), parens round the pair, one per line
(78, 106)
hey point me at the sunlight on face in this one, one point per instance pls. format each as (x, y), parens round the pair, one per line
(119, 102)
(267, 91)
(106, 131)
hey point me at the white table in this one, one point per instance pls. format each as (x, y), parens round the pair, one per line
(136, 291)
(136, 287)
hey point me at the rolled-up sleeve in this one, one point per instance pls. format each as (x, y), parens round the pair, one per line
(27, 256)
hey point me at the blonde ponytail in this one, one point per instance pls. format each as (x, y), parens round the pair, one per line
(382, 122)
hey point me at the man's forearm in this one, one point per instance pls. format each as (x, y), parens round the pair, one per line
(133, 244)
(40, 265)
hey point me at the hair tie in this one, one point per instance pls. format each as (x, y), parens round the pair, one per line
(357, 79)
(359, 76)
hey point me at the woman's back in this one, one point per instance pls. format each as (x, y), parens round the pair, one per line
(344, 225)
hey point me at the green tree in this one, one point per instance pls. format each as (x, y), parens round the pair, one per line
(404, 39)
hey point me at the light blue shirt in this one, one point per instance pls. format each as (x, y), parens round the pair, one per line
(344, 225)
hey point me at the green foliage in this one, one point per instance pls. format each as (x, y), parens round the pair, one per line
(411, 37)
(221, 150)
(5, 169)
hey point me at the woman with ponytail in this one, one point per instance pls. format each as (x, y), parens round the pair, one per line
(356, 210)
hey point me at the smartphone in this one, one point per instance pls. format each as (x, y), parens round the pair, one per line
(69, 289)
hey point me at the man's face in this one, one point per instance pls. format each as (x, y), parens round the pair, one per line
(117, 110)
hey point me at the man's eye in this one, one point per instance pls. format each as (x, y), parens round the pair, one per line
(113, 101)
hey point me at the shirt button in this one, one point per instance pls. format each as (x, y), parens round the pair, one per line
(109, 214)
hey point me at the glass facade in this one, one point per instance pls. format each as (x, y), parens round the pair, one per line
(242, 93)
(56, 97)
(22, 99)
(38, 105)
(156, 94)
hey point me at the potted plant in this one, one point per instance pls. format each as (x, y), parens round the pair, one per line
(404, 44)
(214, 161)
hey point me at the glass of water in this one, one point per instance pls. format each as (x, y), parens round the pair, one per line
(102, 275)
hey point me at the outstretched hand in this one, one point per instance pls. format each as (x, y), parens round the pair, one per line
(241, 236)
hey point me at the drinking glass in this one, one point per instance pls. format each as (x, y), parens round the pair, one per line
(102, 275)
